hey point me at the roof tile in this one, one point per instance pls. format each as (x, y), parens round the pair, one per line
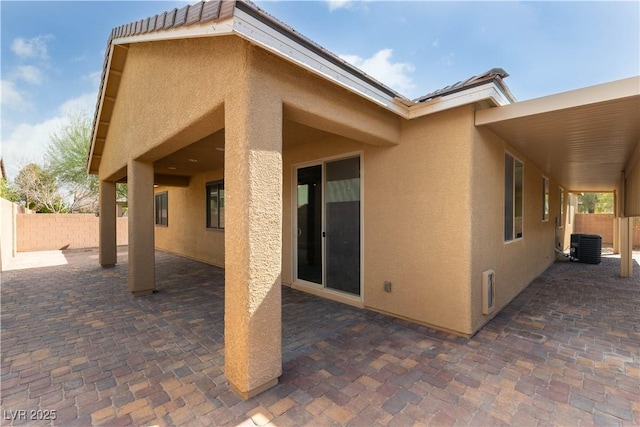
(160, 21)
(226, 9)
(145, 26)
(210, 10)
(170, 19)
(194, 13)
(181, 16)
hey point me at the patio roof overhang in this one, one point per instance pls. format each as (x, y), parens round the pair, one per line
(584, 138)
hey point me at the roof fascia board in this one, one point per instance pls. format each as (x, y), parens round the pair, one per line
(258, 32)
(98, 116)
(486, 92)
(561, 101)
(217, 28)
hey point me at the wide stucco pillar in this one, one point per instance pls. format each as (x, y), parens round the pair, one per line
(253, 241)
(141, 227)
(108, 246)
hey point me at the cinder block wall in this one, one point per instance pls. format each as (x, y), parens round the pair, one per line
(602, 224)
(42, 232)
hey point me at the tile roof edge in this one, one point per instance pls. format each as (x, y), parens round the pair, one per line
(495, 75)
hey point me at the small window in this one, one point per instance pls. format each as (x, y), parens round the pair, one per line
(545, 198)
(513, 197)
(561, 210)
(162, 209)
(215, 205)
(570, 208)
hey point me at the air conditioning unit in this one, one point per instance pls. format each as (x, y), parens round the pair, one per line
(586, 248)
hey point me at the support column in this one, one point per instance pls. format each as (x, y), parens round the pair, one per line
(626, 247)
(253, 242)
(616, 235)
(141, 228)
(108, 246)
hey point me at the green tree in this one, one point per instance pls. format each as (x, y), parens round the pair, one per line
(66, 159)
(38, 190)
(7, 191)
(595, 203)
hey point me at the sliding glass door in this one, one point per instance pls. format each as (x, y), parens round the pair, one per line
(328, 224)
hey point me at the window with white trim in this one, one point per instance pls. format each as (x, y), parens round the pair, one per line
(545, 198)
(561, 210)
(513, 197)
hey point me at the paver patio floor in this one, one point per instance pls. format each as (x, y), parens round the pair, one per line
(565, 352)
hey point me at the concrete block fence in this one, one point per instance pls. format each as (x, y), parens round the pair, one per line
(41, 232)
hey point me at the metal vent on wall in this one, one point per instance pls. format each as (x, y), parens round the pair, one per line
(488, 291)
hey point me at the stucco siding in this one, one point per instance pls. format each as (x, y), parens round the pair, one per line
(186, 233)
(417, 175)
(171, 94)
(518, 262)
(417, 222)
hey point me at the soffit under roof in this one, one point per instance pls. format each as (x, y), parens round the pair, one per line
(583, 138)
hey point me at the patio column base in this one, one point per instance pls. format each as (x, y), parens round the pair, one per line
(142, 293)
(254, 392)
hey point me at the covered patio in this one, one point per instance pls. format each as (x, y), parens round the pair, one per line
(564, 352)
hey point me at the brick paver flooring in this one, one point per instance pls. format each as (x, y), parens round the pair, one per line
(565, 352)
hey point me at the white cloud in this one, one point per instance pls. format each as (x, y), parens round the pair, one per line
(28, 142)
(93, 78)
(447, 60)
(84, 103)
(35, 47)
(393, 74)
(29, 74)
(11, 98)
(339, 4)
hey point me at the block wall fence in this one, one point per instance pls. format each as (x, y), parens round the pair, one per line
(602, 224)
(42, 232)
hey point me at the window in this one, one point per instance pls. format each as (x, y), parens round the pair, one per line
(215, 205)
(513, 197)
(545, 198)
(570, 208)
(162, 209)
(561, 210)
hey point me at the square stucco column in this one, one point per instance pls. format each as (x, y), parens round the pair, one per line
(253, 243)
(142, 258)
(626, 246)
(108, 253)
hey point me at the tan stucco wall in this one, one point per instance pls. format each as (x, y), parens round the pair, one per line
(417, 223)
(178, 87)
(432, 193)
(518, 262)
(186, 233)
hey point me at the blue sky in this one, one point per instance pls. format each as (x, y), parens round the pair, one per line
(52, 52)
